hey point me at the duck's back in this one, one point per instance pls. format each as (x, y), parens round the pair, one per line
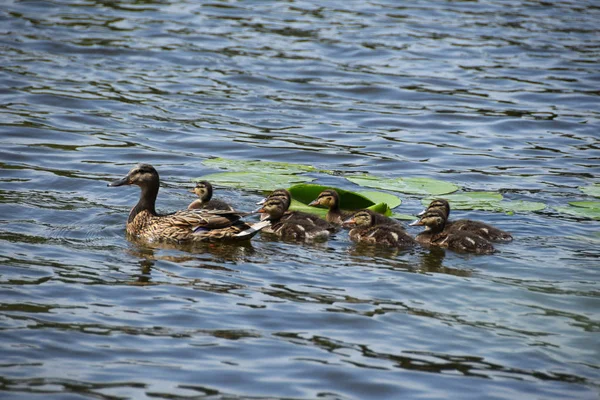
(482, 229)
(464, 242)
(392, 235)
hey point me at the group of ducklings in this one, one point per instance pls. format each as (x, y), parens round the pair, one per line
(208, 219)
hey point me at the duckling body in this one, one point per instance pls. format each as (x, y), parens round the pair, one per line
(435, 234)
(479, 228)
(182, 226)
(367, 228)
(329, 198)
(290, 225)
(204, 191)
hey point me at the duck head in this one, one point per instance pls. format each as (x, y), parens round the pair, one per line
(433, 220)
(142, 175)
(438, 204)
(273, 209)
(203, 190)
(362, 219)
(327, 198)
(282, 194)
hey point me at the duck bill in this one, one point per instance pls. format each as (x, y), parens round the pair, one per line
(314, 203)
(261, 202)
(120, 182)
(348, 223)
(416, 223)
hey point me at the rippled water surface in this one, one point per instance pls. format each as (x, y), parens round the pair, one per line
(499, 96)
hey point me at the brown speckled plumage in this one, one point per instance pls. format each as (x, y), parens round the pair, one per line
(329, 198)
(368, 227)
(482, 229)
(182, 226)
(435, 234)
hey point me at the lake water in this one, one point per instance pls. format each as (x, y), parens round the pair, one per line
(496, 96)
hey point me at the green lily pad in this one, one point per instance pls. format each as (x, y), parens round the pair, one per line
(581, 212)
(488, 201)
(586, 204)
(424, 186)
(592, 190)
(404, 217)
(296, 205)
(253, 180)
(381, 197)
(265, 167)
(381, 208)
(306, 193)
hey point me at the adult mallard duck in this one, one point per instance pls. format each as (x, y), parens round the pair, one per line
(182, 226)
(367, 228)
(291, 225)
(482, 229)
(457, 240)
(204, 191)
(329, 198)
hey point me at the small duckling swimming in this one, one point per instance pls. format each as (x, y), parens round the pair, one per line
(286, 199)
(204, 191)
(291, 225)
(482, 229)
(330, 198)
(457, 240)
(181, 226)
(366, 229)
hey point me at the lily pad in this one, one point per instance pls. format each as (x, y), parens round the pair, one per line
(306, 193)
(581, 209)
(592, 190)
(487, 201)
(424, 186)
(381, 197)
(253, 180)
(265, 167)
(469, 200)
(404, 217)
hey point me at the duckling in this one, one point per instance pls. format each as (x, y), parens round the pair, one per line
(366, 229)
(181, 226)
(460, 241)
(291, 225)
(479, 228)
(330, 198)
(285, 196)
(204, 191)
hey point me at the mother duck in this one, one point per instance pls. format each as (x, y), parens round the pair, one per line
(181, 226)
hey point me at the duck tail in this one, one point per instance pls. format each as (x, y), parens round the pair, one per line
(254, 228)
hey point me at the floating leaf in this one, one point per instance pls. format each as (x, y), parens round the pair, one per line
(306, 193)
(265, 167)
(299, 206)
(381, 197)
(404, 217)
(381, 208)
(469, 200)
(592, 190)
(586, 204)
(253, 180)
(488, 201)
(425, 186)
(581, 212)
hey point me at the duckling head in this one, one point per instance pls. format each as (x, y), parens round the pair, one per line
(438, 204)
(433, 220)
(362, 219)
(142, 175)
(327, 198)
(273, 209)
(203, 190)
(283, 194)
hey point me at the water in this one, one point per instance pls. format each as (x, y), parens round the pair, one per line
(495, 96)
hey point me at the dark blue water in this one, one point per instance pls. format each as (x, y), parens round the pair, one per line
(499, 96)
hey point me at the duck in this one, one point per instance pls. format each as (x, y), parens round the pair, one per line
(330, 198)
(291, 225)
(435, 234)
(367, 227)
(204, 191)
(482, 229)
(181, 226)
